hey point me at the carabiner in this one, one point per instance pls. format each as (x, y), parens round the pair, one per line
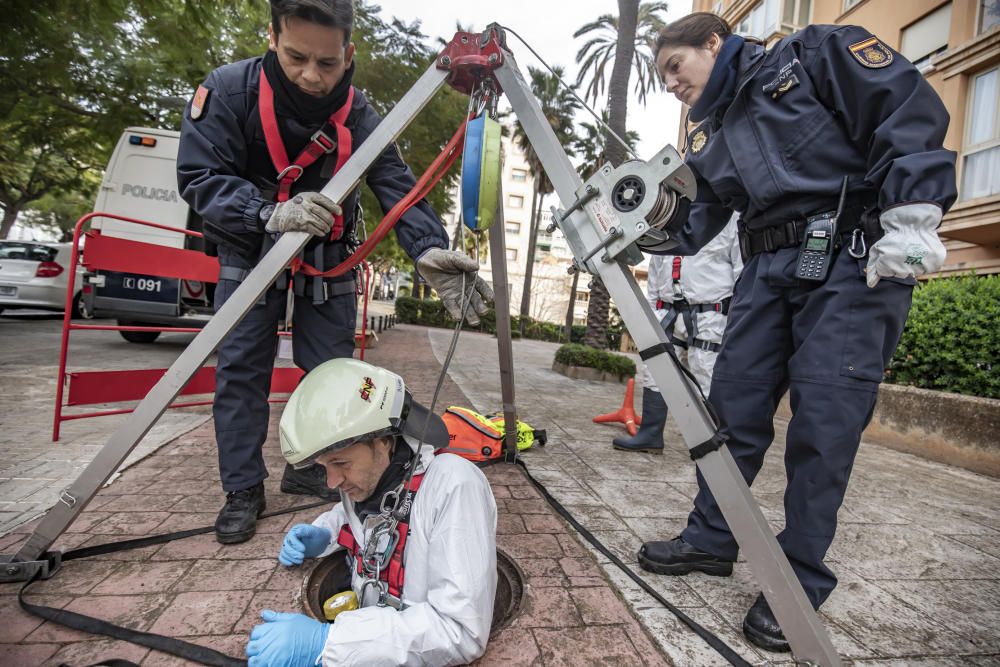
(857, 236)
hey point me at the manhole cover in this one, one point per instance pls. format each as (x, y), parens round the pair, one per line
(331, 576)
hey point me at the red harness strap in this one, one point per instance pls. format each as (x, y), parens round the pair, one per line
(395, 573)
(319, 144)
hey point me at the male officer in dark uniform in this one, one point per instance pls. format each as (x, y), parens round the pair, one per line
(259, 139)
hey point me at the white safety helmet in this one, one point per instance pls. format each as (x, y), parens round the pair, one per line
(345, 401)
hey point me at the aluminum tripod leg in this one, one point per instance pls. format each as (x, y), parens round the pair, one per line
(138, 423)
(801, 626)
(501, 305)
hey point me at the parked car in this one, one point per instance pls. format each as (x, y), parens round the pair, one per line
(35, 275)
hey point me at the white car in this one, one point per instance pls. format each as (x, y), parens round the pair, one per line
(35, 275)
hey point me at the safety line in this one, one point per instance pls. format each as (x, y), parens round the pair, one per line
(171, 645)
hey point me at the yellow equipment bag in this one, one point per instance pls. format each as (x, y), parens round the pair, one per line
(480, 437)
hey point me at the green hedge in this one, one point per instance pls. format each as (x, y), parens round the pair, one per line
(572, 354)
(952, 338)
(431, 313)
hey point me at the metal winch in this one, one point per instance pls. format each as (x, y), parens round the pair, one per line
(637, 205)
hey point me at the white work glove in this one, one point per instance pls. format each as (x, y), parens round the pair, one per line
(910, 247)
(305, 212)
(445, 271)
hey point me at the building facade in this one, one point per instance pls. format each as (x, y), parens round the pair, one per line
(956, 44)
(551, 281)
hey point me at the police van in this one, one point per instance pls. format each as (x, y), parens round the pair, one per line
(141, 183)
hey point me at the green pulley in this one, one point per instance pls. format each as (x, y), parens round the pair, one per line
(481, 173)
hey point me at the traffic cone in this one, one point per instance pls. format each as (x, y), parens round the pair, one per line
(626, 413)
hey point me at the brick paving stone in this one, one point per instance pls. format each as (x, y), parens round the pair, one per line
(132, 523)
(543, 523)
(530, 546)
(15, 655)
(509, 524)
(97, 650)
(17, 624)
(575, 647)
(202, 613)
(231, 645)
(284, 601)
(227, 575)
(548, 608)
(511, 648)
(76, 578)
(599, 605)
(260, 545)
(134, 611)
(542, 572)
(142, 577)
(189, 548)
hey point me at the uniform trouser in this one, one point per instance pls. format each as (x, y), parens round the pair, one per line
(243, 373)
(828, 346)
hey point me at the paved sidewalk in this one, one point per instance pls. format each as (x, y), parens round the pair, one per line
(916, 551)
(203, 592)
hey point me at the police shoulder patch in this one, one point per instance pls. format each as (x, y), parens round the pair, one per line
(199, 102)
(871, 53)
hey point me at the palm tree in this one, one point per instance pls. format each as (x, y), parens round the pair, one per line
(624, 41)
(590, 145)
(600, 49)
(558, 106)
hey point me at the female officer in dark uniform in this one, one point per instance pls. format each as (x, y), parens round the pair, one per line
(822, 300)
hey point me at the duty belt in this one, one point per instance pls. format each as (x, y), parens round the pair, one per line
(859, 221)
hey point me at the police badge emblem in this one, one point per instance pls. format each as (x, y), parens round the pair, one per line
(199, 102)
(698, 141)
(871, 53)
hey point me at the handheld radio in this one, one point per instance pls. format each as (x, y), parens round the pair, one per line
(818, 242)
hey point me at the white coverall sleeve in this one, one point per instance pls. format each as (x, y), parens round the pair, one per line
(332, 520)
(457, 562)
(734, 248)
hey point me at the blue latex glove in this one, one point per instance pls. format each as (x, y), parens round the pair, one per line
(303, 541)
(286, 640)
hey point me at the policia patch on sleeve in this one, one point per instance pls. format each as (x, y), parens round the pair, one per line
(871, 53)
(199, 102)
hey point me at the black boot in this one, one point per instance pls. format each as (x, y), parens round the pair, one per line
(650, 435)
(237, 522)
(309, 481)
(762, 629)
(677, 557)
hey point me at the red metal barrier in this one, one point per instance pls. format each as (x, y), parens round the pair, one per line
(116, 254)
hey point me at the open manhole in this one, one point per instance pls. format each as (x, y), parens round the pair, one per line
(332, 575)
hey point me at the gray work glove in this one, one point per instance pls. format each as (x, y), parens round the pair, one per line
(305, 212)
(444, 270)
(910, 247)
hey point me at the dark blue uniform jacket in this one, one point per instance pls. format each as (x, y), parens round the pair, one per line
(807, 113)
(225, 173)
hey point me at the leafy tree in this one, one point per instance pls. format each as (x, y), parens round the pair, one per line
(558, 106)
(623, 44)
(73, 75)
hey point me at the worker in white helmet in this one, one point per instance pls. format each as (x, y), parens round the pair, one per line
(690, 297)
(419, 530)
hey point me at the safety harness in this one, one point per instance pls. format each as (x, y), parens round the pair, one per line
(680, 307)
(332, 136)
(382, 565)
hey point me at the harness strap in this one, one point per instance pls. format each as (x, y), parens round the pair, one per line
(395, 574)
(321, 143)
